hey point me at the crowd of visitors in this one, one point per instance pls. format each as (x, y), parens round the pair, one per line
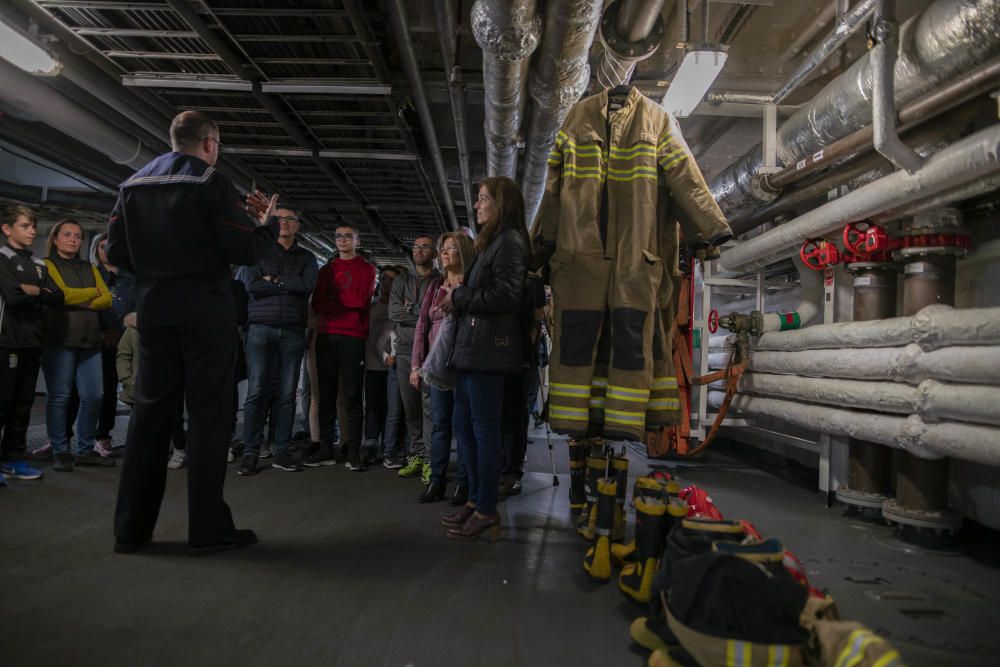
(392, 360)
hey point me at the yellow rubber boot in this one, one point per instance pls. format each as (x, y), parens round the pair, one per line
(588, 517)
(577, 475)
(619, 468)
(636, 579)
(597, 562)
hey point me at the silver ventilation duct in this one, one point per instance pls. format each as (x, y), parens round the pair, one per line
(948, 38)
(631, 31)
(558, 80)
(508, 32)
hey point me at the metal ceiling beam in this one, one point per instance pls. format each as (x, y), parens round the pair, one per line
(160, 55)
(298, 39)
(277, 151)
(135, 32)
(404, 42)
(326, 86)
(447, 29)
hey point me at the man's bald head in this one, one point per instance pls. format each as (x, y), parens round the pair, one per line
(190, 128)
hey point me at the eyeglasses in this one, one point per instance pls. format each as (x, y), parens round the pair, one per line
(287, 218)
(213, 139)
(344, 237)
(423, 246)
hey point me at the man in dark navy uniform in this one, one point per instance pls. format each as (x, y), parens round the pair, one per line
(177, 226)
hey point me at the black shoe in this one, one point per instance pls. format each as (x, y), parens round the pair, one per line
(242, 538)
(284, 461)
(433, 492)
(459, 497)
(131, 547)
(510, 487)
(64, 463)
(322, 457)
(93, 459)
(392, 462)
(248, 466)
(300, 436)
(356, 466)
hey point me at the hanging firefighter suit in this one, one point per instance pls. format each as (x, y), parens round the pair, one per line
(618, 180)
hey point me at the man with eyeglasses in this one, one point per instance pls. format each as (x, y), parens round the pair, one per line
(341, 299)
(279, 286)
(404, 311)
(177, 226)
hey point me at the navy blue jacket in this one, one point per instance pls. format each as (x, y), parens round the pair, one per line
(177, 226)
(284, 300)
(22, 320)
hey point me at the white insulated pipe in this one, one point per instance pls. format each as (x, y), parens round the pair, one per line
(931, 400)
(970, 158)
(969, 442)
(909, 364)
(934, 326)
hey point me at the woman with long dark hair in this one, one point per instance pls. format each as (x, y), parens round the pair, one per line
(488, 347)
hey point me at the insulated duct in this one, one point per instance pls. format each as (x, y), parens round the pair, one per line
(626, 28)
(980, 444)
(933, 327)
(30, 98)
(947, 39)
(508, 32)
(910, 364)
(973, 157)
(558, 80)
(931, 400)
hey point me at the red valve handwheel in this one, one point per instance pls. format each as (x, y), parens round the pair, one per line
(713, 321)
(817, 254)
(855, 234)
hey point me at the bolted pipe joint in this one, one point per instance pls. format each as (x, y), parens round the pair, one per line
(630, 31)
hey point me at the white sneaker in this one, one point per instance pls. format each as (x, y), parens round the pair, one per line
(177, 460)
(103, 448)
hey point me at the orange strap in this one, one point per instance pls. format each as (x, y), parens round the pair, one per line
(731, 374)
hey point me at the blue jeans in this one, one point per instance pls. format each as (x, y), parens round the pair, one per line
(442, 409)
(264, 343)
(477, 416)
(62, 367)
(394, 422)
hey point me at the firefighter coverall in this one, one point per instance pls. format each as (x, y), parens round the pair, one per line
(616, 184)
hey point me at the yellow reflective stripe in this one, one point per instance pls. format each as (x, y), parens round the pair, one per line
(664, 142)
(737, 654)
(597, 402)
(561, 138)
(634, 177)
(572, 414)
(563, 385)
(635, 150)
(777, 655)
(664, 383)
(572, 174)
(854, 652)
(614, 390)
(633, 170)
(576, 167)
(599, 382)
(585, 149)
(888, 660)
(624, 416)
(672, 158)
(664, 404)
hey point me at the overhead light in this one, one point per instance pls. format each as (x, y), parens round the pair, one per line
(191, 82)
(329, 86)
(695, 76)
(20, 50)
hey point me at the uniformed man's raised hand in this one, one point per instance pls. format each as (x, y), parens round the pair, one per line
(260, 207)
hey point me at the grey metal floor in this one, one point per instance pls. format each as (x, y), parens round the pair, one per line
(352, 571)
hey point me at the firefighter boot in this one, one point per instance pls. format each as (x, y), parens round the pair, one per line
(577, 474)
(647, 487)
(597, 562)
(619, 467)
(636, 579)
(596, 466)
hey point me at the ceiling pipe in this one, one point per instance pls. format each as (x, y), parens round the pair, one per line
(826, 13)
(946, 40)
(447, 30)
(31, 98)
(508, 31)
(845, 26)
(404, 42)
(559, 78)
(631, 31)
(973, 157)
(886, 138)
(969, 442)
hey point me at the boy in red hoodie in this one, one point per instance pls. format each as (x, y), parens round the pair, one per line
(343, 293)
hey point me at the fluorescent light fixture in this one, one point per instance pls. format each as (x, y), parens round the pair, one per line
(20, 50)
(190, 82)
(695, 76)
(329, 86)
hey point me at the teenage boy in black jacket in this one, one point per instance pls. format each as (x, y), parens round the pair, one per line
(25, 287)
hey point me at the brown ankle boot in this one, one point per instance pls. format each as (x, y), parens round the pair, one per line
(456, 519)
(475, 526)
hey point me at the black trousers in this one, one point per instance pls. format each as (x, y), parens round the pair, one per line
(18, 375)
(376, 405)
(340, 364)
(194, 363)
(514, 428)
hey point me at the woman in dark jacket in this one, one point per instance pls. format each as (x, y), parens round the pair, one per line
(488, 347)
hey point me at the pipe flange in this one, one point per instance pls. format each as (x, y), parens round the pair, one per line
(857, 267)
(619, 46)
(939, 522)
(760, 189)
(904, 254)
(861, 499)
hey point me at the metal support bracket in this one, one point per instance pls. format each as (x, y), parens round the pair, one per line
(886, 139)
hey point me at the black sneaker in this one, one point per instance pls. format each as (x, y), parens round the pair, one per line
(248, 466)
(64, 463)
(356, 466)
(392, 462)
(93, 459)
(242, 538)
(322, 457)
(284, 461)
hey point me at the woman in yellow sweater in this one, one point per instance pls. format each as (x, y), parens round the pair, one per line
(72, 352)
